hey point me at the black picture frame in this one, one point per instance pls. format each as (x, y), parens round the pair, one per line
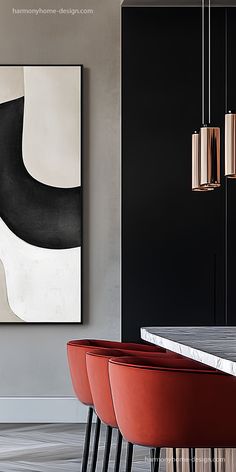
(81, 321)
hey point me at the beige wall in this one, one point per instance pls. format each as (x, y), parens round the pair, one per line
(33, 358)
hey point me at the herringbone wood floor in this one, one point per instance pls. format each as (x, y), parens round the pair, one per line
(53, 448)
(58, 447)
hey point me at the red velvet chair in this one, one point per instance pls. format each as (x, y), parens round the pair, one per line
(167, 403)
(76, 351)
(98, 375)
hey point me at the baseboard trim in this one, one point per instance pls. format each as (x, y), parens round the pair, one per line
(42, 410)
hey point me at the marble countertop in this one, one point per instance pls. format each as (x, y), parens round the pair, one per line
(212, 345)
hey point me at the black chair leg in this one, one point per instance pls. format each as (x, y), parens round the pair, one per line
(152, 458)
(129, 457)
(213, 459)
(95, 445)
(87, 440)
(157, 454)
(118, 452)
(174, 460)
(192, 459)
(107, 449)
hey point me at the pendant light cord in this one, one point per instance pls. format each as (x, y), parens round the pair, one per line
(203, 62)
(226, 60)
(209, 62)
(226, 180)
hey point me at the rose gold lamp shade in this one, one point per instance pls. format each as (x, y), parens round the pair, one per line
(195, 162)
(210, 157)
(196, 187)
(230, 145)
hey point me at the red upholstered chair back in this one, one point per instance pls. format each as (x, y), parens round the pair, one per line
(76, 351)
(98, 375)
(173, 403)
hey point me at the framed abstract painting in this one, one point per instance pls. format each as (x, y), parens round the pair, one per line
(40, 194)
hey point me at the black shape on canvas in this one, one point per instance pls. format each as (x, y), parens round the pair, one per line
(41, 215)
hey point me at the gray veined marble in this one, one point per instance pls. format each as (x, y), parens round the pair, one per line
(212, 345)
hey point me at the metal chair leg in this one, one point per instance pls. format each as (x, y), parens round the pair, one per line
(118, 451)
(87, 440)
(107, 449)
(213, 459)
(192, 459)
(152, 458)
(95, 445)
(129, 457)
(156, 459)
(174, 460)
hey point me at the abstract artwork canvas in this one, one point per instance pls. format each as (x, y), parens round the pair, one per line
(40, 194)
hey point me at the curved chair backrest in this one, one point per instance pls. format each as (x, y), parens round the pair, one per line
(98, 375)
(170, 403)
(76, 351)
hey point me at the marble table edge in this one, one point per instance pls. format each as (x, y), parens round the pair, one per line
(196, 354)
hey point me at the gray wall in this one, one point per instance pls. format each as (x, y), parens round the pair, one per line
(33, 358)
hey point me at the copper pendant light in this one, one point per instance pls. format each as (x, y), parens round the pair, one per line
(230, 145)
(206, 143)
(210, 157)
(196, 186)
(230, 120)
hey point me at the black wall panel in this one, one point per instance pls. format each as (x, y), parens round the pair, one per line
(231, 183)
(173, 240)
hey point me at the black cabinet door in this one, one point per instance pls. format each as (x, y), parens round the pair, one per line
(172, 238)
(231, 183)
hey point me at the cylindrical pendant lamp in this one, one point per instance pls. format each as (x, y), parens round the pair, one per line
(206, 144)
(210, 157)
(230, 145)
(196, 165)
